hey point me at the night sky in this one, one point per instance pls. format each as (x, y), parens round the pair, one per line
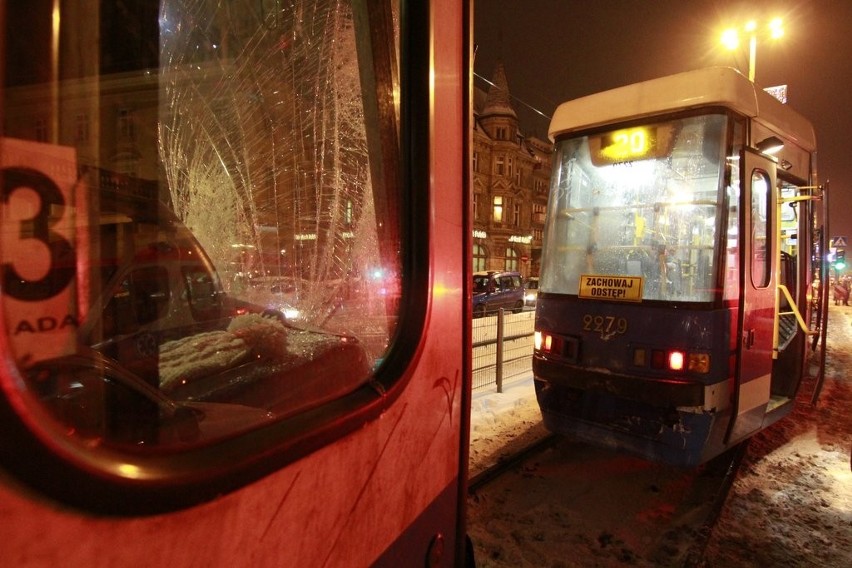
(557, 50)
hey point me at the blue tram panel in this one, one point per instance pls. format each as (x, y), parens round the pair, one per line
(595, 357)
(660, 323)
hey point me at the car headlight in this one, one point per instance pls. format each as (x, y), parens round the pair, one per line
(291, 313)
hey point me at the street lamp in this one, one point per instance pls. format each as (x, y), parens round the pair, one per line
(731, 39)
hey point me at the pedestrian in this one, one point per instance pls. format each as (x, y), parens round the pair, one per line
(841, 293)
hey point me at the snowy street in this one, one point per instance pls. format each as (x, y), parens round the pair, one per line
(791, 504)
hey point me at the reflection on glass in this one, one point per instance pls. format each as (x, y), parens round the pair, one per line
(759, 229)
(190, 242)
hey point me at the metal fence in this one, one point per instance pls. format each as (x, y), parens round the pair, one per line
(502, 348)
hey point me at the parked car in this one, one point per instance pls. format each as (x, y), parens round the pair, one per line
(493, 290)
(531, 291)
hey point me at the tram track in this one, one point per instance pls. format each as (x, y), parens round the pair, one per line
(559, 499)
(731, 461)
(507, 462)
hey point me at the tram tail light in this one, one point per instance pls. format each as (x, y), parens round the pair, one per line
(547, 343)
(658, 359)
(674, 360)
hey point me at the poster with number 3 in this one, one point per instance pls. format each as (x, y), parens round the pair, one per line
(42, 228)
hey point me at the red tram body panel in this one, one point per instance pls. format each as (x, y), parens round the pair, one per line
(327, 139)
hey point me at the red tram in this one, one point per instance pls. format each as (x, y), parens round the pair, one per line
(161, 402)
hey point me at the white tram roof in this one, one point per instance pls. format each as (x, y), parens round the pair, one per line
(715, 86)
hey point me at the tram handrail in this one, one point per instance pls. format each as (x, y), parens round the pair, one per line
(823, 297)
(781, 288)
(820, 329)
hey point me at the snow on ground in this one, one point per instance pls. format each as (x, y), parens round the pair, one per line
(791, 504)
(502, 421)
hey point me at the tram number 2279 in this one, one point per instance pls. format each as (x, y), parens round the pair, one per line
(607, 326)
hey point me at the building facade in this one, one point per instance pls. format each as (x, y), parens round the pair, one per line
(511, 176)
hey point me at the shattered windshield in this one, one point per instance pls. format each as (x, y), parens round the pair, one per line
(640, 202)
(191, 242)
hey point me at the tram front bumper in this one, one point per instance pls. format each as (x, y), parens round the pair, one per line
(661, 392)
(645, 417)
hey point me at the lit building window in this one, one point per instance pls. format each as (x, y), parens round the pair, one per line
(511, 262)
(480, 256)
(498, 209)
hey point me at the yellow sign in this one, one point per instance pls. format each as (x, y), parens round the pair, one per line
(602, 287)
(630, 144)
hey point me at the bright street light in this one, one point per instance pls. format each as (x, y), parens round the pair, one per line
(731, 39)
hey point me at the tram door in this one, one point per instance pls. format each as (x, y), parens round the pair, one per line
(757, 300)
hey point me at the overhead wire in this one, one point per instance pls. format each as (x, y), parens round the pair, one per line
(520, 101)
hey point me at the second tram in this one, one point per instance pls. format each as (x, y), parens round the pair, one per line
(675, 315)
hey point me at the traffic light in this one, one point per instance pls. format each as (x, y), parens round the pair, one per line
(840, 260)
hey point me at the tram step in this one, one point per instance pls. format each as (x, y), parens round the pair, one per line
(786, 330)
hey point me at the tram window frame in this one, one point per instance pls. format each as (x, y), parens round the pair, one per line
(165, 481)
